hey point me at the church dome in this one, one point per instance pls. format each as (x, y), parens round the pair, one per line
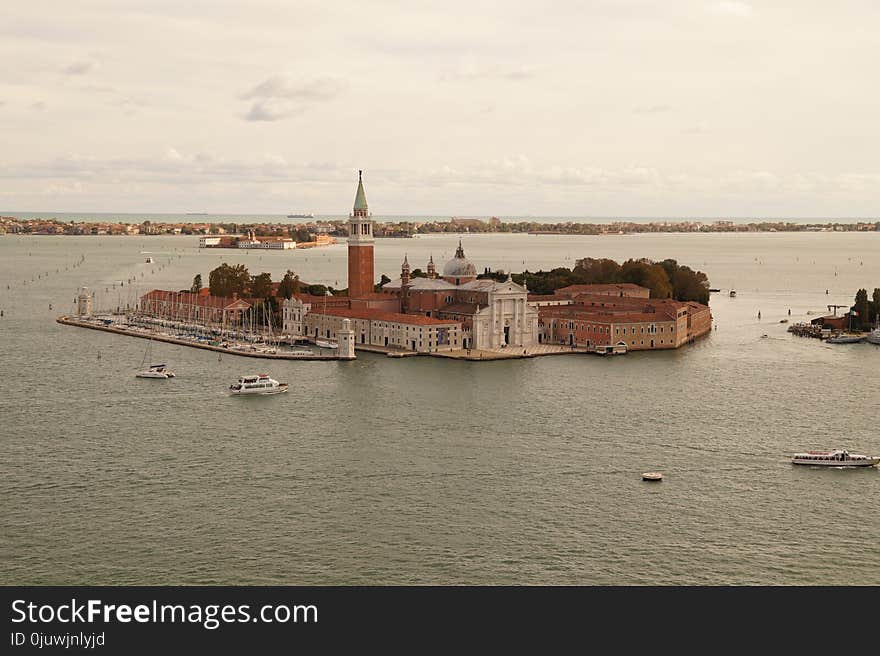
(459, 266)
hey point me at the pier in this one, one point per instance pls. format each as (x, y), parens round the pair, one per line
(159, 337)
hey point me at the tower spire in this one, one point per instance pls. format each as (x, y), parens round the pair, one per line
(360, 198)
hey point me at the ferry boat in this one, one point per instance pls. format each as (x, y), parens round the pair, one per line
(326, 343)
(155, 371)
(260, 384)
(835, 458)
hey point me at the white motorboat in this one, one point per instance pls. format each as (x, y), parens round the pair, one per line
(845, 338)
(326, 343)
(835, 458)
(874, 336)
(258, 384)
(155, 371)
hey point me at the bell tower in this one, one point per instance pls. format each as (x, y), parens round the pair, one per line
(360, 245)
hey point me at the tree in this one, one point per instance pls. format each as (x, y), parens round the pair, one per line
(690, 285)
(861, 318)
(261, 286)
(227, 280)
(288, 285)
(197, 284)
(647, 274)
(384, 279)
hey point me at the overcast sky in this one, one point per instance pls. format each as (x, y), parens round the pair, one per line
(584, 108)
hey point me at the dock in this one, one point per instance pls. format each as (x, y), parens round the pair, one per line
(83, 323)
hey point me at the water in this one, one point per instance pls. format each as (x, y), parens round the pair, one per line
(423, 470)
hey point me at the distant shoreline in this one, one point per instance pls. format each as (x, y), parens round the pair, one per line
(410, 228)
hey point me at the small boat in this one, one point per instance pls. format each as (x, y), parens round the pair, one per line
(732, 293)
(783, 321)
(874, 336)
(835, 458)
(155, 371)
(652, 476)
(713, 289)
(845, 338)
(260, 384)
(150, 260)
(326, 343)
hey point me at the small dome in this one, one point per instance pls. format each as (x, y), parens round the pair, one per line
(459, 266)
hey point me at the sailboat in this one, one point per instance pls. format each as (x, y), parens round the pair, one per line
(153, 370)
(320, 341)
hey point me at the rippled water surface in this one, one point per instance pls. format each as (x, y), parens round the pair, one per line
(423, 470)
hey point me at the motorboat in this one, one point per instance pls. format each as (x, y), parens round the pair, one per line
(155, 371)
(150, 260)
(258, 384)
(732, 293)
(835, 458)
(326, 343)
(874, 336)
(845, 338)
(652, 476)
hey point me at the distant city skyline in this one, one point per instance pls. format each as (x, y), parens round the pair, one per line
(600, 110)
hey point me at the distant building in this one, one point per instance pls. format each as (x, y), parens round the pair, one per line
(186, 306)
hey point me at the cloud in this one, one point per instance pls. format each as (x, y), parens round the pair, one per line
(80, 68)
(652, 109)
(282, 86)
(469, 71)
(280, 96)
(700, 128)
(733, 8)
(272, 110)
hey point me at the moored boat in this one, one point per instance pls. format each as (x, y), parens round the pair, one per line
(835, 458)
(258, 384)
(874, 336)
(326, 343)
(845, 338)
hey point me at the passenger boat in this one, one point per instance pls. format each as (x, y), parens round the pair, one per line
(835, 458)
(845, 338)
(326, 343)
(155, 371)
(260, 384)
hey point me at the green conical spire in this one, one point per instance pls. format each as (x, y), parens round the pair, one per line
(360, 199)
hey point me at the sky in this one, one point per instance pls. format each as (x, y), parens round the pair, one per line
(591, 108)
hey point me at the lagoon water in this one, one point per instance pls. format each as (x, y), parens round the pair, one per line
(428, 471)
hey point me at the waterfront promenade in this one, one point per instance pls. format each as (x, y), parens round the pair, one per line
(472, 355)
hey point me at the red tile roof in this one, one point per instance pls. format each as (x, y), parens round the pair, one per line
(200, 299)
